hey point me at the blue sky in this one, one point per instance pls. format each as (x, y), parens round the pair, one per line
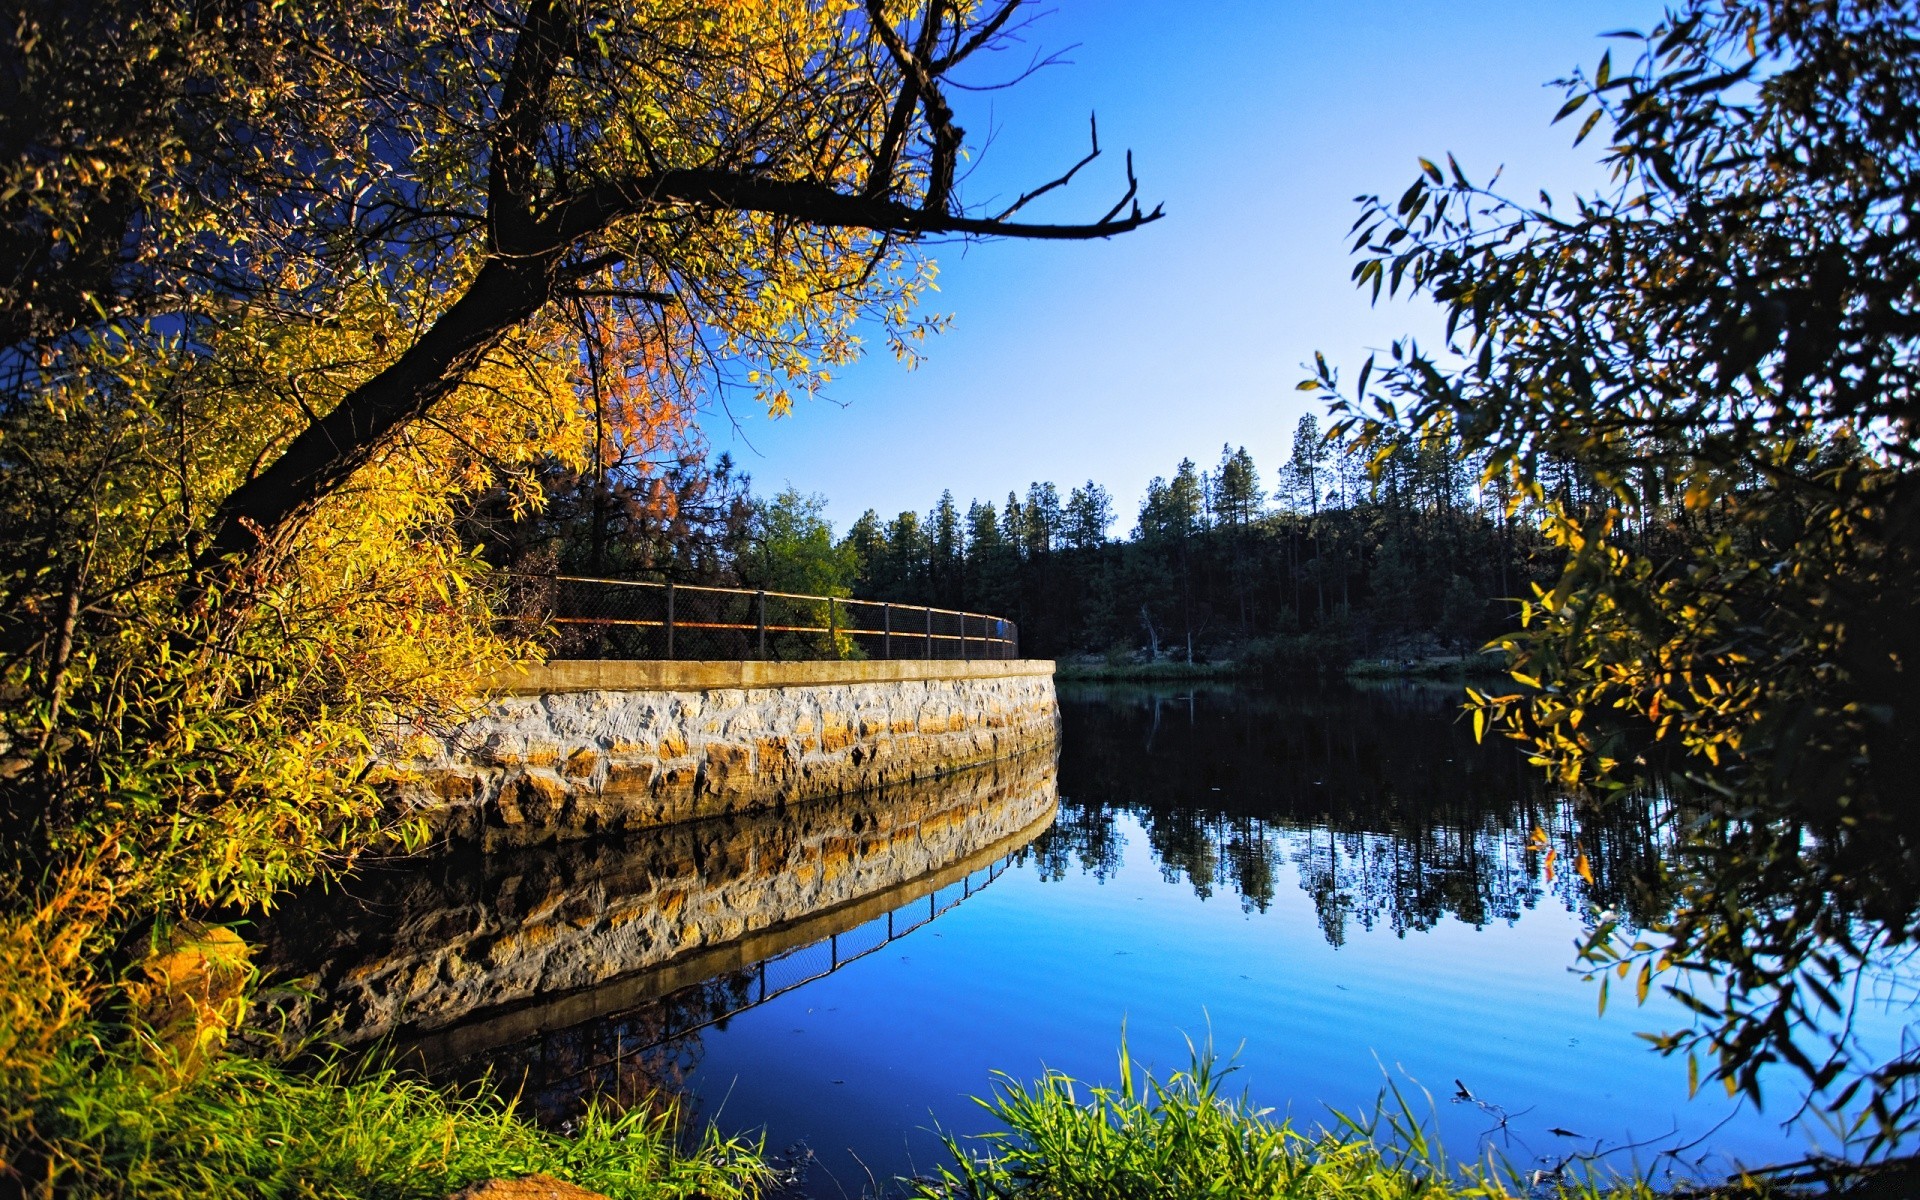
(1256, 124)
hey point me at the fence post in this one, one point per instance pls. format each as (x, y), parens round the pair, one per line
(929, 633)
(886, 631)
(763, 624)
(833, 630)
(963, 637)
(669, 618)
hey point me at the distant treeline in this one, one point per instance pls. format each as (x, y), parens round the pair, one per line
(1325, 563)
(1318, 563)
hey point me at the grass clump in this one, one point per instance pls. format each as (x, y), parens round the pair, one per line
(248, 1128)
(1183, 1139)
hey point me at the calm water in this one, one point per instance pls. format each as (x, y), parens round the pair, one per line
(1336, 887)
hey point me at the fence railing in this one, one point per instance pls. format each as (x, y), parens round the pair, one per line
(616, 618)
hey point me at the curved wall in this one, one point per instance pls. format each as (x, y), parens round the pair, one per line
(580, 748)
(542, 938)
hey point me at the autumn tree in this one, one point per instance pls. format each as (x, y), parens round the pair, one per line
(286, 286)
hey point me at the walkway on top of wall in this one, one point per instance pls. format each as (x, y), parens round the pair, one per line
(679, 675)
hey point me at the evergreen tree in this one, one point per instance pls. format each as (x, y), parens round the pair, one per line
(1237, 494)
(1041, 518)
(944, 549)
(1306, 469)
(867, 542)
(1013, 524)
(1089, 515)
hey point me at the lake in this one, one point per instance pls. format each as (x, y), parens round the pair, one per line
(1334, 886)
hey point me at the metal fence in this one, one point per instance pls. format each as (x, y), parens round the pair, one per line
(615, 618)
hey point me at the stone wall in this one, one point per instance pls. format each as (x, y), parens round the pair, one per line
(576, 749)
(420, 946)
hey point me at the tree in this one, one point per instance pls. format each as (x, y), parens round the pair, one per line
(1013, 523)
(909, 559)
(1237, 489)
(846, 128)
(793, 549)
(991, 563)
(867, 540)
(945, 546)
(287, 285)
(1307, 474)
(1704, 378)
(1172, 511)
(1041, 519)
(1089, 515)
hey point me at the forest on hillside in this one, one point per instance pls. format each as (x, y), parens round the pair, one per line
(1331, 555)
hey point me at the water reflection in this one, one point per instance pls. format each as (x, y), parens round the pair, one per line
(1379, 798)
(1339, 882)
(640, 1038)
(564, 963)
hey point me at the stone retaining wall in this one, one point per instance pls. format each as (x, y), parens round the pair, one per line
(576, 749)
(419, 946)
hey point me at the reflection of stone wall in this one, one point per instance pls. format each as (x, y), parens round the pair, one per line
(421, 945)
(582, 748)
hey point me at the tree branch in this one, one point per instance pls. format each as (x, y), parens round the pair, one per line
(815, 203)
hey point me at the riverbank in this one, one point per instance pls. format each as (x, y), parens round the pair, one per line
(1187, 1137)
(1463, 668)
(248, 1128)
(243, 1128)
(1099, 670)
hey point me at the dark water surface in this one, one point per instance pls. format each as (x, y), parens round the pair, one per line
(1337, 886)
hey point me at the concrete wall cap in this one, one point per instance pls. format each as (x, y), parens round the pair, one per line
(653, 675)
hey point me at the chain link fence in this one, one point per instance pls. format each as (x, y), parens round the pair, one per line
(578, 617)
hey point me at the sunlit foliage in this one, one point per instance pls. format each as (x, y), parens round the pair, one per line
(285, 287)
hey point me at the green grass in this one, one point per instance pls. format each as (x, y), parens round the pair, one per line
(248, 1128)
(1184, 1139)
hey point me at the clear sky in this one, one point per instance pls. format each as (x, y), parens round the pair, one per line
(1256, 122)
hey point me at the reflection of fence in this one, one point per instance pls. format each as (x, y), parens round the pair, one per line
(614, 618)
(621, 1039)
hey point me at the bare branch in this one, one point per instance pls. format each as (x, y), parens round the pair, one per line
(984, 34)
(816, 203)
(1093, 125)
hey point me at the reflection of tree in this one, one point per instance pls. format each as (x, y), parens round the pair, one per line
(1382, 802)
(640, 1057)
(1082, 833)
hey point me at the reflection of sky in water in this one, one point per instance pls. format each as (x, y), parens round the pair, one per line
(1098, 932)
(1029, 974)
